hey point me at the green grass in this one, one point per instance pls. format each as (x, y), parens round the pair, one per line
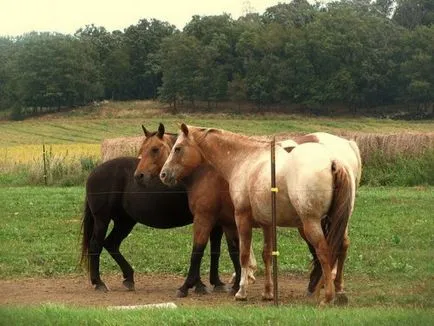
(59, 315)
(390, 258)
(401, 170)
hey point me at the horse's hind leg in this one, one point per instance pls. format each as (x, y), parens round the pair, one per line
(95, 248)
(339, 280)
(314, 233)
(215, 242)
(316, 273)
(202, 227)
(121, 228)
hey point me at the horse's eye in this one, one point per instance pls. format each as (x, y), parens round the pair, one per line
(177, 149)
(154, 150)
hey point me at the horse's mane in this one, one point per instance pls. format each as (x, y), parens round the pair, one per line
(222, 131)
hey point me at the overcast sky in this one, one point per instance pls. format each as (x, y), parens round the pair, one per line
(66, 16)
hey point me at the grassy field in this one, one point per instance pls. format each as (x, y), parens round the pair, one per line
(389, 272)
(59, 315)
(73, 140)
(391, 239)
(120, 119)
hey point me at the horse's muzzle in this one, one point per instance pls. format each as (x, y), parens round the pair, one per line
(141, 178)
(168, 178)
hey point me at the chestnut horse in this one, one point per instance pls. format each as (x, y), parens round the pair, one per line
(313, 185)
(209, 202)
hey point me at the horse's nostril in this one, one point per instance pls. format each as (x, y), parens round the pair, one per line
(163, 175)
(139, 176)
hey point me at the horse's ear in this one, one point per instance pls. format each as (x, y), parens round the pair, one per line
(146, 132)
(184, 129)
(161, 130)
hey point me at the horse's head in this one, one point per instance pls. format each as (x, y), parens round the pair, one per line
(183, 159)
(153, 153)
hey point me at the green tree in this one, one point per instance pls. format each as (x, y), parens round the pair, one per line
(142, 41)
(412, 13)
(55, 70)
(418, 68)
(179, 61)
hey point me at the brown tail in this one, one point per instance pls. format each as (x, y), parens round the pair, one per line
(86, 230)
(340, 209)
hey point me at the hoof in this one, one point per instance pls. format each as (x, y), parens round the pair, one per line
(240, 298)
(101, 288)
(267, 297)
(234, 289)
(129, 285)
(341, 299)
(181, 293)
(324, 303)
(202, 290)
(222, 288)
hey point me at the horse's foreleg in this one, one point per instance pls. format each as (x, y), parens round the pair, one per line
(215, 242)
(112, 243)
(266, 256)
(95, 248)
(234, 252)
(202, 227)
(244, 227)
(253, 266)
(314, 233)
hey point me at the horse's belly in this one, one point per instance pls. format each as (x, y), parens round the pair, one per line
(285, 214)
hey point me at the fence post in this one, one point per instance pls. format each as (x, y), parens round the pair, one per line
(44, 158)
(274, 190)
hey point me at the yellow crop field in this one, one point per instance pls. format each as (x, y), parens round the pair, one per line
(22, 154)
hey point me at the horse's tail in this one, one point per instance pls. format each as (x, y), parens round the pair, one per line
(340, 209)
(356, 150)
(86, 231)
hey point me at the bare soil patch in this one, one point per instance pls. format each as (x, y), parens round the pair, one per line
(77, 291)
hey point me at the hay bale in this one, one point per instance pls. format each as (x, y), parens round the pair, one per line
(390, 145)
(117, 147)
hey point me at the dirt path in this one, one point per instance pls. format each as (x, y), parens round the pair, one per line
(77, 291)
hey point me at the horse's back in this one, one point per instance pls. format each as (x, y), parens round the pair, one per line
(112, 191)
(106, 183)
(343, 150)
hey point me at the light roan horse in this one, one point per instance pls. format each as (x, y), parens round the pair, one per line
(209, 202)
(313, 185)
(344, 150)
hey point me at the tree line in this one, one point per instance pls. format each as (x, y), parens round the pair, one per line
(354, 53)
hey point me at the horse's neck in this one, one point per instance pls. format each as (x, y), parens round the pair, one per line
(226, 152)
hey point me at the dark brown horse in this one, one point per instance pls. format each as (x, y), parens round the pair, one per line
(209, 202)
(112, 194)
